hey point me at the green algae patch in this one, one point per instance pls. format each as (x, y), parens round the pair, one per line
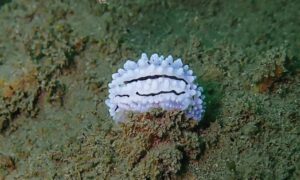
(155, 145)
(49, 52)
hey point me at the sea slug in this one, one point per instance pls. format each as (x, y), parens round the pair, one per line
(157, 82)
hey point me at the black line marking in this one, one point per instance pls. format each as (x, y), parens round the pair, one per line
(122, 95)
(155, 77)
(161, 92)
(116, 108)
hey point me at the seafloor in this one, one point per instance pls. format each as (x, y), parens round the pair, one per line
(57, 57)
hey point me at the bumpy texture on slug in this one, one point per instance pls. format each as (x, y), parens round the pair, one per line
(157, 82)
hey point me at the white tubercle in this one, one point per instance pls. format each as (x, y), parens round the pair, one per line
(154, 83)
(177, 63)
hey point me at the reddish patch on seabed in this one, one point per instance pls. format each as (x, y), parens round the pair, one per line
(26, 82)
(267, 82)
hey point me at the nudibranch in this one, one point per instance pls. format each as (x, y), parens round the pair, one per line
(157, 82)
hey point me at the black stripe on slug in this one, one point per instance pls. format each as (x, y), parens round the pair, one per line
(122, 95)
(161, 92)
(155, 77)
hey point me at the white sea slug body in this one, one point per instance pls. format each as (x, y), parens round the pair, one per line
(157, 82)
